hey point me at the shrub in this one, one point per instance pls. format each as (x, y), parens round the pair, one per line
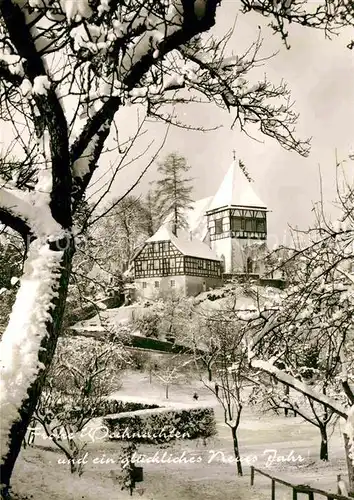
(162, 425)
(148, 325)
(113, 406)
(139, 359)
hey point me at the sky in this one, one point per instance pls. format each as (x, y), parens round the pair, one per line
(320, 74)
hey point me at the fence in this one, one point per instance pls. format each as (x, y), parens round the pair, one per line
(307, 490)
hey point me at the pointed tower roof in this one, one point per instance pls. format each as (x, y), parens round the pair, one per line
(236, 191)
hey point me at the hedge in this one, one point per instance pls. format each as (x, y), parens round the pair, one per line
(160, 345)
(156, 345)
(113, 406)
(110, 406)
(161, 425)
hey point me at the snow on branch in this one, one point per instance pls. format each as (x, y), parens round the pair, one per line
(302, 387)
(27, 327)
(30, 207)
(11, 67)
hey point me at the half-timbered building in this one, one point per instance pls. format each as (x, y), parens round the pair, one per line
(175, 263)
(226, 234)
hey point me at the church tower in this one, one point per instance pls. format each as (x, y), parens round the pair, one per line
(237, 224)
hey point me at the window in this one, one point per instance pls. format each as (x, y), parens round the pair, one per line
(173, 283)
(156, 264)
(157, 284)
(236, 223)
(261, 225)
(144, 284)
(166, 246)
(144, 265)
(218, 226)
(249, 224)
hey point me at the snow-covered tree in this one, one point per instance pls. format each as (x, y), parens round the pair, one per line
(172, 371)
(66, 70)
(83, 374)
(173, 190)
(314, 314)
(118, 234)
(175, 317)
(205, 347)
(272, 395)
(221, 335)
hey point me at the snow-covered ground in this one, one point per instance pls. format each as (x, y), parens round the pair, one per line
(124, 315)
(213, 473)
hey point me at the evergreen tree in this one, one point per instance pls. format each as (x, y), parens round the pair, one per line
(152, 218)
(173, 190)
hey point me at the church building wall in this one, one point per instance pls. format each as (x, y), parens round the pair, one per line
(222, 248)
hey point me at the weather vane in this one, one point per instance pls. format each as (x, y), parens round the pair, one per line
(234, 153)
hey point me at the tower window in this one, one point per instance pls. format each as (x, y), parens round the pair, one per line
(144, 284)
(218, 226)
(249, 224)
(173, 283)
(260, 225)
(236, 224)
(157, 284)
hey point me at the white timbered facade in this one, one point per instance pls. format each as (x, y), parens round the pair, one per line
(237, 224)
(170, 263)
(227, 235)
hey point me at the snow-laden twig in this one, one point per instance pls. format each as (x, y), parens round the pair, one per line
(299, 386)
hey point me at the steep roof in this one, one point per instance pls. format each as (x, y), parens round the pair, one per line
(236, 191)
(183, 243)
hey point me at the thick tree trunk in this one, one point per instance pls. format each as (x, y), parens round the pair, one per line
(350, 465)
(45, 355)
(324, 444)
(236, 451)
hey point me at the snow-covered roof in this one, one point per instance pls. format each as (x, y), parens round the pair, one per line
(236, 191)
(183, 243)
(195, 218)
